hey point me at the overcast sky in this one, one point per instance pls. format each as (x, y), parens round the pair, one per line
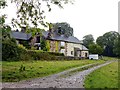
(94, 17)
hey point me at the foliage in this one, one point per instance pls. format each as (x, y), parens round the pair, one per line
(11, 70)
(100, 40)
(43, 45)
(87, 40)
(10, 51)
(47, 45)
(21, 46)
(105, 77)
(56, 54)
(2, 4)
(63, 28)
(117, 46)
(33, 11)
(107, 42)
(25, 44)
(95, 49)
(4, 28)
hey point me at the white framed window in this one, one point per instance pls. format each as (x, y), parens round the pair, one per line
(62, 43)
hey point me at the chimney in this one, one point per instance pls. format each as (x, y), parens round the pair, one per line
(23, 29)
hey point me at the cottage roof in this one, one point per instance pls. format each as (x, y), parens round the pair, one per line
(71, 39)
(27, 36)
(21, 35)
(84, 48)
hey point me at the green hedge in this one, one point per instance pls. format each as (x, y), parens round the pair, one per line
(39, 55)
(12, 52)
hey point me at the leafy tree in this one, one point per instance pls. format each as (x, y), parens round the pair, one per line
(117, 46)
(95, 49)
(43, 45)
(100, 41)
(87, 40)
(107, 42)
(32, 12)
(63, 28)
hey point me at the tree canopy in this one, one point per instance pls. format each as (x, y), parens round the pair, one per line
(117, 46)
(107, 42)
(95, 49)
(66, 29)
(32, 12)
(87, 40)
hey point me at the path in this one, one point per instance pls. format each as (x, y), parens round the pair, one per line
(55, 81)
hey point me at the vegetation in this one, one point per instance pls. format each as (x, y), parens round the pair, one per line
(87, 40)
(63, 28)
(105, 77)
(83, 68)
(107, 41)
(32, 12)
(20, 70)
(117, 46)
(95, 49)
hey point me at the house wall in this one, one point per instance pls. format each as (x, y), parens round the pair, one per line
(53, 46)
(83, 54)
(70, 48)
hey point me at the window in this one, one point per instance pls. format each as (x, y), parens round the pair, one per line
(62, 43)
(71, 52)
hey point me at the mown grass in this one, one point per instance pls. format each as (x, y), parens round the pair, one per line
(105, 77)
(21, 70)
(109, 58)
(81, 69)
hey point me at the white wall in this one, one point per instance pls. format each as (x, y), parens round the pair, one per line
(83, 53)
(71, 46)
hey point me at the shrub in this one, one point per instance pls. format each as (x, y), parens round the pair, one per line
(56, 54)
(12, 52)
(41, 55)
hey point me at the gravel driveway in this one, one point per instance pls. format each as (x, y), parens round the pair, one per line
(55, 81)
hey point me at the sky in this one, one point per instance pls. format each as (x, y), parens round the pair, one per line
(94, 17)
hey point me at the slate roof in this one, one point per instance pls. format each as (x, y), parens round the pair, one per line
(84, 48)
(25, 36)
(21, 35)
(71, 39)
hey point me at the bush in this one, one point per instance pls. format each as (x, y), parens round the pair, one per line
(56, 54)
(40, 55)
(13, 52)
(10, 51)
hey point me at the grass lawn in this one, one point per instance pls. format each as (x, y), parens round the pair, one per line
(105, 77)
(21, 70)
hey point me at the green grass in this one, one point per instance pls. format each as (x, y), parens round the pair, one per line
(109, 58)
(21, 70)
(105, 77)
(80, 69)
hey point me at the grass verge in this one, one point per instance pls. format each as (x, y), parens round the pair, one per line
(21, 70)
(105, 77)
(72, 72)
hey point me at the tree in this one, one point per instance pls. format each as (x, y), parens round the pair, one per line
(67, 30)
(43, 45)
(117, 46)
(100, 41)
(87, 40)
(107, 42)
(32, 12)
(95, 49)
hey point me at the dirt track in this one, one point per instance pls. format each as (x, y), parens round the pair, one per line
(55, 81)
